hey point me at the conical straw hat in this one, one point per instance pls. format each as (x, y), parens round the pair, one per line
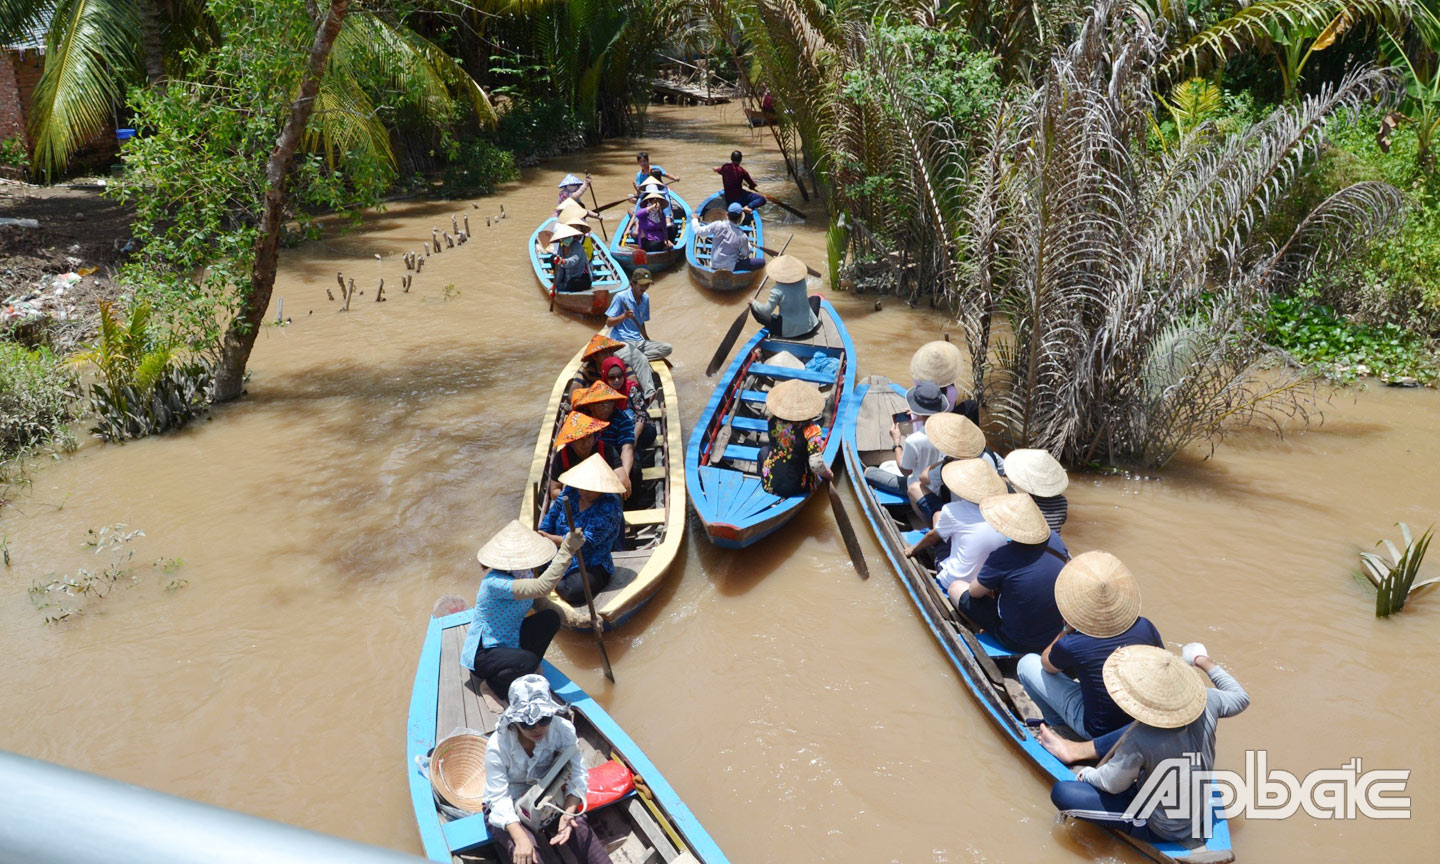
(564, 231)
(941, 362)
(955, 436)
(1036, 472)
(515, 547)
(795, 400)
(595, 394)
(600, 342)
(1098, 595)
(654, 196)
(1154, 686)
(593, 475)
(572, 214)
(786, 268)
(457, 770)
(577, 425)
(1017, 516)
(972, 479)
(570, 180)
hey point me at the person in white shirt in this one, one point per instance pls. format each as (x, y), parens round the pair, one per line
(730, 245)
(969, 537)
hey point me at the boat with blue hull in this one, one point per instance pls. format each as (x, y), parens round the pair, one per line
(697, 253)
(986, 668)
(647, 824)
(607, 277)
(630, 255)
(722, 473)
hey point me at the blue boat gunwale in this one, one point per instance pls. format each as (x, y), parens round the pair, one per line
(728, 390)
(599, 249)
(692, 251)
(420, 740)
(968, 665)
(681, 245)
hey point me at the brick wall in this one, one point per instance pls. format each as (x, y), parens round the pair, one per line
(12, 112)
(21, 69)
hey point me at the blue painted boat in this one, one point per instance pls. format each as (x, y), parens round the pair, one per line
(631, 256)
(649, 824)
(721, 472)
(986, 667)
(607, 277)
(697, 254)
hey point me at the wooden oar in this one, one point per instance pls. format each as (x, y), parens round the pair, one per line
(596, 202)
(729, 341)
(589, 597)
(722, 438)
(847, 531)
(544, 240)
(603, 207)
(786, 207)
(808, 269)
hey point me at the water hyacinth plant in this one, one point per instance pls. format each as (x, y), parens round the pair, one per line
(1395, 579)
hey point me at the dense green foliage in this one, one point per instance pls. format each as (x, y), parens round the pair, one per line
(1314, 333)
(144, 387)
(37, 398)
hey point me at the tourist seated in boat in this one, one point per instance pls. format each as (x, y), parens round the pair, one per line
(572, 188)
(503, 643)
(657, 186)
(650, 229)
(578, 439)
(1042, 477)
(959, 524)
(1175, 716)
(791, 312)
(646, 169)
(597, 351)
(615, 377)
(792, 462)
(733, 179)
(942, 362)
(1013, 596)
(729, 244)
(593, 490)
(916, 455)
(618, 436)
(1100, 601)
(571, 259)
(627, 315)
(531, 735)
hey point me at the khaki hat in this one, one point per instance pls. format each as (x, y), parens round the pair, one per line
(972, 479)
(1154, 686)
(572, 213)
(457, 770)
(642, 276)
(955, 436)
(565, 231)
(1098, 595)
(786, 268)
(516, 547)
(1017, 516)
(795, 400)
(1036, 472)
(593, 475)
(942, 362)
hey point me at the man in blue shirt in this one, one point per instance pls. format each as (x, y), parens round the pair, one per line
(1100, 601)
(628, 312)
(1013, 597)
(646, 169)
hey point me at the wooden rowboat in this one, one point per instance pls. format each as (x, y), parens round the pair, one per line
(724, 484)
(606, 275)
(986, 667)
(631, 256)
(697, 254)
(650, 824)
(652, 535)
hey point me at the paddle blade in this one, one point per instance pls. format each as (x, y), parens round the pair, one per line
(717, 448)
(727, 343)
(847, 532)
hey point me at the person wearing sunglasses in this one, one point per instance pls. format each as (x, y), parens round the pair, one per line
(532, 733)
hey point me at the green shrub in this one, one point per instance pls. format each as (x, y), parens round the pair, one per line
(37, 398)
(538, 129)
(1317, 334)
(143, 389)
(475, 167)
(13, 154)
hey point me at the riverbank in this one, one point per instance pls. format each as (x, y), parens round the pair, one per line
(804, 715)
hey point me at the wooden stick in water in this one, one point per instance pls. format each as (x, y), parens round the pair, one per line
(595, 626)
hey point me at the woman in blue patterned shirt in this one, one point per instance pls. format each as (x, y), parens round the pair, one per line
(593, 491)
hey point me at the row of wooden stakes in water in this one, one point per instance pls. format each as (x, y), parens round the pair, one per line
(415, 261)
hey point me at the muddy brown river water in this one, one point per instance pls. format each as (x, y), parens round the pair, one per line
(803, 714)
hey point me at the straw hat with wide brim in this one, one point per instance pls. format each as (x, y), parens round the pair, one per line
(786, 268)
(1036, 472)
(654, 196)
(516, 547)
(1154, 686)
(955, 436)
(941, 362)
(1017, 516)
(593, 475)
(457, 771)
(795, 401)
(972, 479)
(572, 214)
(1097, 595)
(565, 231)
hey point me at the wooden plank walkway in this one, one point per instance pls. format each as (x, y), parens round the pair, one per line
(685, 93)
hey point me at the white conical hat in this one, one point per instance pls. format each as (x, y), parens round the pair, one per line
(955, 436)
(1098, 595)
(971, 479)
(516, 547)
(565, 230)
(1154, 686)
(1016, 516)
(795, 401)
(593, 475)
(939, 361)
(1036, 472)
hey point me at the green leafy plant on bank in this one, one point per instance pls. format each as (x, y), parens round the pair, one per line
(145, 388)
(1316, 334)
(13, 154)
(1395, 578)
(38, 394)
(475, 166)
